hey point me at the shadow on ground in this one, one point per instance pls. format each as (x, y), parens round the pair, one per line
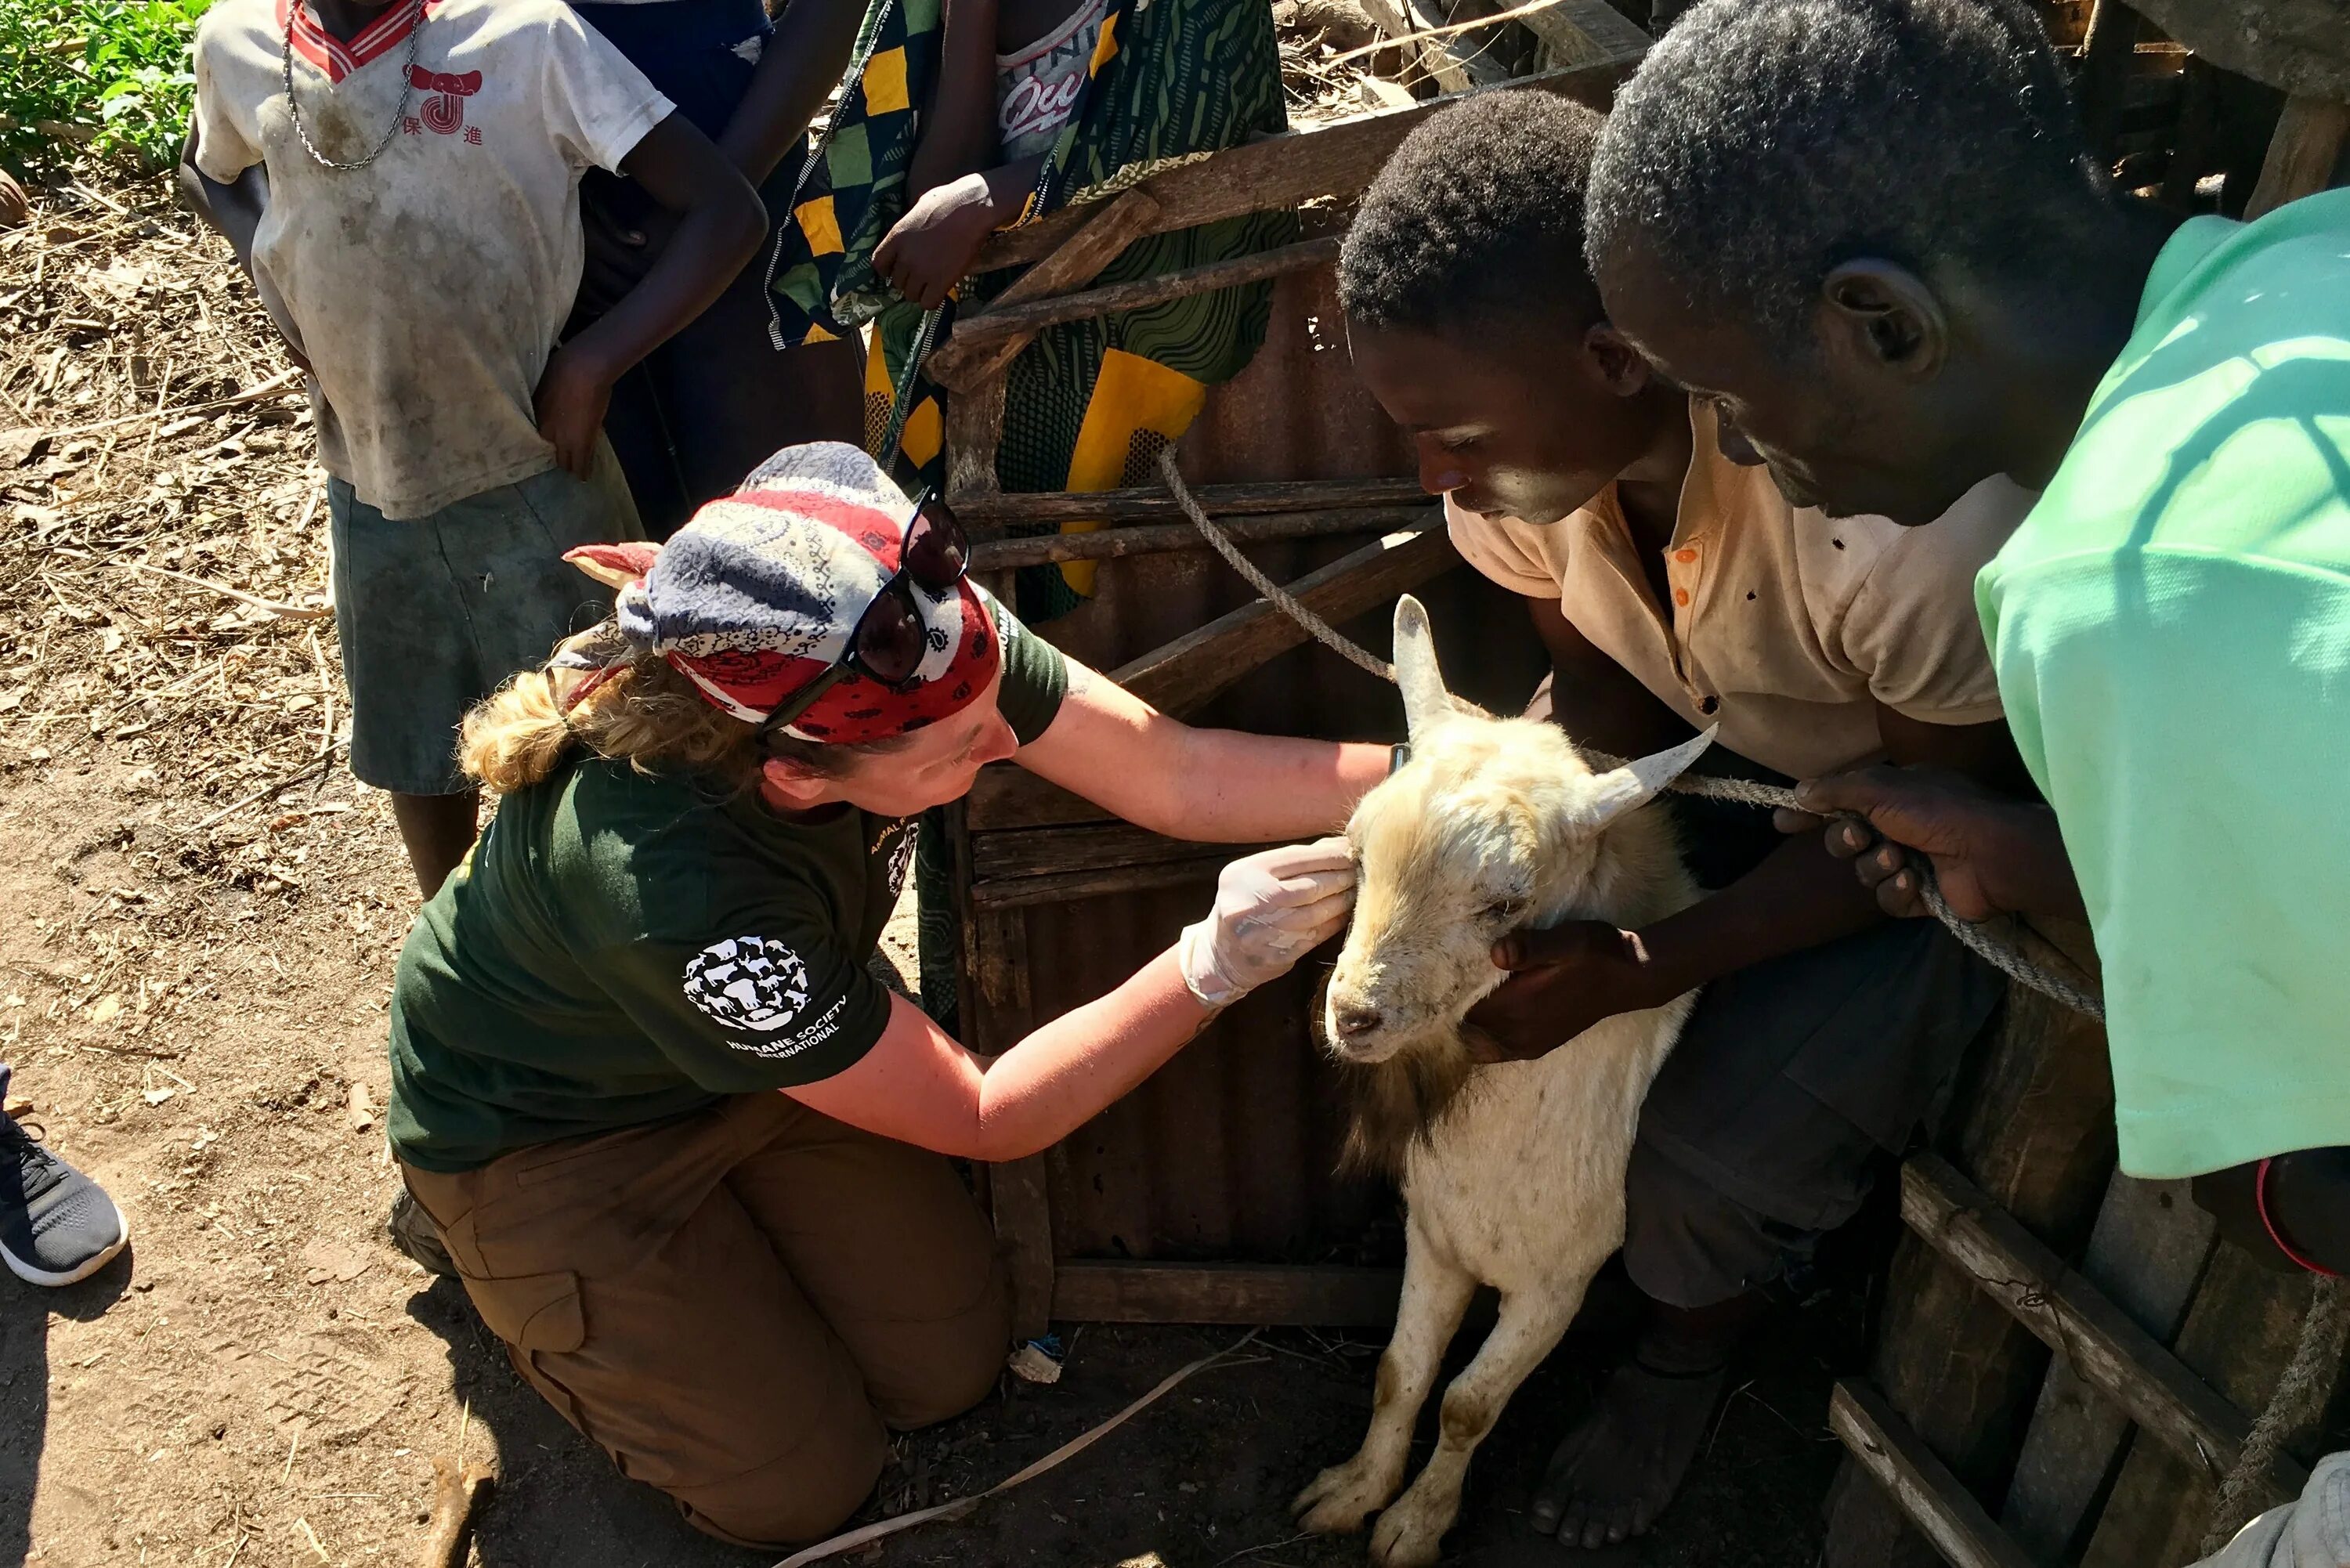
(25, 1382)
(1203, 1478)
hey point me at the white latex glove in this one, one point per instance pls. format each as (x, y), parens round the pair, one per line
(1272, 907)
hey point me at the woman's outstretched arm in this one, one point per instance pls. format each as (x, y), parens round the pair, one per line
(918, 1086)
(1222, 787)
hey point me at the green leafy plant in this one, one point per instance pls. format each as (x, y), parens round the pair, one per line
(111, 76)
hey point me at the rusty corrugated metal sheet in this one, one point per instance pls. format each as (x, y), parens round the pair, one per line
(1229, 1152)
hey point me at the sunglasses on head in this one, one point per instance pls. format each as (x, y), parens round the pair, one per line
(890, 639)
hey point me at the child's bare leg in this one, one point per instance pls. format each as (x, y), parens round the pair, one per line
(437, 830)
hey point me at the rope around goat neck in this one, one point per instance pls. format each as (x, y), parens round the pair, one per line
(1981, 942)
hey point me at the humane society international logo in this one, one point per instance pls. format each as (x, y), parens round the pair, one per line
(748, 982)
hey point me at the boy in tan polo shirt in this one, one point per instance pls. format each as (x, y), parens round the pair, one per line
(1676, 588)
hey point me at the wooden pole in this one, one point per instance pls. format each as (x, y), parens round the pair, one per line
(1159, 538)
(1178, 677)
(2071, 1316)
(1295, 167)
(999, 321)
(1151, 504)
(1084, 250)
(1584, 32)
(2304, 154)
(2238, 1337)
(2104, 79)
(2147, 1253)
(2033, 1128)
(1920, 1484)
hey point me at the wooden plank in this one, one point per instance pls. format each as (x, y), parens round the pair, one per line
(1453, 62)
(1394, 19)
(1007, 795)
(2198, 125)
(1015, 893)
(974, 429)
(1151, 503)
(1312, 1295)
(1078, 260)
(1048, 850)
(1584, 32)
(975, 383)
(1159, 538)
(998, 1012)
(984, 327)
(2071, 1316)
(1176, 679)
(2238, 1336)
(2103, 80)
(1023, 1228)
(1073, 261)
(2302, 155)
(1337, 160)
(2147, 1254)
(1945, 1512)
(2032, 1123)
(995, 957)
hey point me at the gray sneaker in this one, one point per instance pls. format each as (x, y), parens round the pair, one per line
(56, 1225)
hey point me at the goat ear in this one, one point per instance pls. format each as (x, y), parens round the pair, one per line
(1425, 701)
(1636, 784)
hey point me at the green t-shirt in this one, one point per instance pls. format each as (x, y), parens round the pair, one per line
(622, 948)
(2171, 627)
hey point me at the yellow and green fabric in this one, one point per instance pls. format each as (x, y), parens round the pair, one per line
(1089, 403)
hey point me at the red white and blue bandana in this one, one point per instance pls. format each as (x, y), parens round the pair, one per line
(757, 596)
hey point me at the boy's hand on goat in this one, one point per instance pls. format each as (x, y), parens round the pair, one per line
(573, 394)
(1562, 982)
(1272, 909)
(1992, 855)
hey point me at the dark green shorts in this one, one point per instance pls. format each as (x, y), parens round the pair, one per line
(434, 613)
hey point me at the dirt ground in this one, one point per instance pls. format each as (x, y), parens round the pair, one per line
(199, 915)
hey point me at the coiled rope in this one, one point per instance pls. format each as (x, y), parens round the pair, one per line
(2293, 1406)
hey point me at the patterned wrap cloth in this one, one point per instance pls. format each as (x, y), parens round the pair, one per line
(1090, 403)
(759, 594)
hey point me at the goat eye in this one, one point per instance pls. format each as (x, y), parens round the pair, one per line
(1504, 913)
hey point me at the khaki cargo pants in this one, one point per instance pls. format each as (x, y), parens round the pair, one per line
(736, 1306)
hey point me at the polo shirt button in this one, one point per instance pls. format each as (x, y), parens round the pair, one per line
(1709, 706)
(1684, 556)
(1680, 597)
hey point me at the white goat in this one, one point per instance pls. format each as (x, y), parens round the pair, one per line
(1512, 1173)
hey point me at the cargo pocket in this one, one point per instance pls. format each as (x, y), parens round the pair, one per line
(536, 1316)
(533, 1312)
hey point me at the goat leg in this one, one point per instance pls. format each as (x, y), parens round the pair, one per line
(1530, 1324)
(1436, 1293)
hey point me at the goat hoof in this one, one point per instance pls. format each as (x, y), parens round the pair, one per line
(1408, 1538)
(1337, 1501)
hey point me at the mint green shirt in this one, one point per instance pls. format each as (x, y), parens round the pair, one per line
(2171, 629)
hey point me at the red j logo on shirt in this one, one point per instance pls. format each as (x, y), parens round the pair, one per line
(445, 110)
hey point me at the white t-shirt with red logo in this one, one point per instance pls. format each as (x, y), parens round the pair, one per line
(427, 287)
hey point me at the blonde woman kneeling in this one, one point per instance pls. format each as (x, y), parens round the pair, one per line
(737, 1291)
